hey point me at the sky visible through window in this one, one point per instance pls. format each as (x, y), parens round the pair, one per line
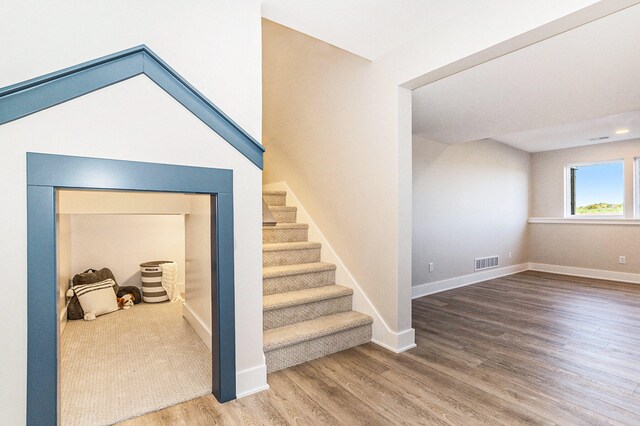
(600, 184)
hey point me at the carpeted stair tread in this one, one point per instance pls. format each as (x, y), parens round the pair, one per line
(301, 297)
(305, 314)
(283, 208)
(304, 268)
(287, 226)
(288, 335)
(300, 245)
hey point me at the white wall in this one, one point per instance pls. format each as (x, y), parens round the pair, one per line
(469, 200)
(197, 307)
(330, 129)
(122, 202)
(121, 242)
(582, 245)
(213, 44)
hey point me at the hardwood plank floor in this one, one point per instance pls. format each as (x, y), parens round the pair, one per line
(530, 348)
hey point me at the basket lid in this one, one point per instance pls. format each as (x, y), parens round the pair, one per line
(154, 263)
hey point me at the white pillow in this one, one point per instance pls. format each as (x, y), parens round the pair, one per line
(97, 299)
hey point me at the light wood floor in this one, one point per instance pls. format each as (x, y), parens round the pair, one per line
(530, 348)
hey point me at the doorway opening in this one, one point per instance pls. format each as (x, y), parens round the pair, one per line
(146, 344)
(47, 176)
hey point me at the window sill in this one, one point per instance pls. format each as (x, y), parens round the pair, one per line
(586, 221)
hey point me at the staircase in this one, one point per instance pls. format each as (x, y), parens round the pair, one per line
(306, 315)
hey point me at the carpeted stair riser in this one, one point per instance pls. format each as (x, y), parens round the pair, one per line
(277, 234)
(306, 351)
(274, 199)
(295, 314)
(290, 257)
(297, 282)
(284, 214)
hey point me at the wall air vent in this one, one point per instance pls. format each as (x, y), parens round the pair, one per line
(486, 262)
(599, 138)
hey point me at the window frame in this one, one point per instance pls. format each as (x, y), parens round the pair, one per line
(636, 187)
(568, 187)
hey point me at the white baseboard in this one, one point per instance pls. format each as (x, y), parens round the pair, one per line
(451, 283)
(383, 335)
(252, 380)
(403, 341)
(601, 274)
(248, 381)
(201, 329)
(63, 319)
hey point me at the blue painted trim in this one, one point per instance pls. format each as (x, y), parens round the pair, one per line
(42, 323)
(223, 324)
(64, 171)
(46, 173)
(31, 96)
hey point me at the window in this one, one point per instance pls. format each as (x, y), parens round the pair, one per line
(595, 189)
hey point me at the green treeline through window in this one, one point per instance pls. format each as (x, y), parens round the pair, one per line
(597, 189)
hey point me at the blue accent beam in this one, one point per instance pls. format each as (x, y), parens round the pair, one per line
(31, 96)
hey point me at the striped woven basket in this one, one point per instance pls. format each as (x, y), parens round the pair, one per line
(152, 290)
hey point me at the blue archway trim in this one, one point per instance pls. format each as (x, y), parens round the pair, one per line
(47, 173)
(31, 96)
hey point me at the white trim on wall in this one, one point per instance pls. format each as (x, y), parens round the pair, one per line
(636, 187)
(426, 289)
(586, 221)
(63, 319)
(383, 335)
(252, 380)
(198, 325)
(600, 274)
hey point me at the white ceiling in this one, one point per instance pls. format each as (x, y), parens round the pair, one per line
(561, 87)
(578, 133)
(372, 28)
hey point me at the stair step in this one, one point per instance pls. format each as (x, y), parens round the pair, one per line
(286, 278)
(275, 198)
(303, 305)
(278, 254)
(296, 343)
(284, 214)
(285, 233)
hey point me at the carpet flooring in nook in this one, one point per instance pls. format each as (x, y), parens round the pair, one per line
(129, 363)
